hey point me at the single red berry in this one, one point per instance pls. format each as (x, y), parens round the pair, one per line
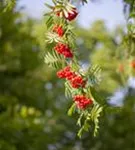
(58, 13)
(67, 68)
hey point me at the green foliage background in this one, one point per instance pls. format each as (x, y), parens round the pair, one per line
(33, 108)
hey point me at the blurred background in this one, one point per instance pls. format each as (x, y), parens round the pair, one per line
(33, 108)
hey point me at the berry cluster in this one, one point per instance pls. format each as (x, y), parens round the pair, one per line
(64, 50)
(59, 30)
(75, 80)
(78, 81)
(65, 73)
(133, 64)
(70, 15)
(122, 69)
(82, 101)
(77, 85)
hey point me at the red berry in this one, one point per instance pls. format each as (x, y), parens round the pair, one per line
(70, 75)
(67, 68)
(77, 82)
(64, 50)
(61, 74)
(64, 72)
(72, 15)
(59, 30)
(82, 102)
(68, 54)
(58, 13)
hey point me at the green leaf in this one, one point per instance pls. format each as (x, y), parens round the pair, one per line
(79, 120)
(9, 5)
(68, 90)
(49, 22)
(53, 60)
(98, 98)
(86, 126)
(54, 1)
(71, 109)
(95, 114)
(75, 66)
(132, 15)
(49, 6)
(79, 134)
(53, 38)
(94, 75)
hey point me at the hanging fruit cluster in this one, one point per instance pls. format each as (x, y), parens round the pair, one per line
(61, 55)
(80, 84)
